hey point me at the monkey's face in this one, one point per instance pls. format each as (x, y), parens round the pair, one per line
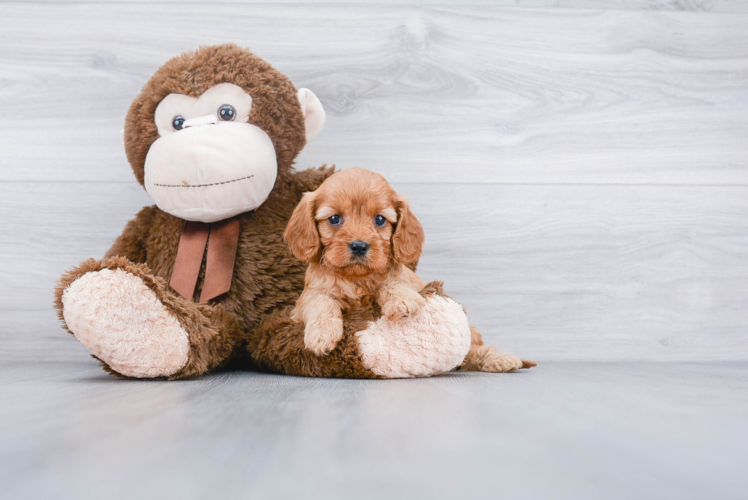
(209, 163)
(215, 129)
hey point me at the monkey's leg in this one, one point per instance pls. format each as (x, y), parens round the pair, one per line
(483, 358)
(137, 327)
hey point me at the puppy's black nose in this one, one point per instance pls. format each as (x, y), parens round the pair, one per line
(358, 248)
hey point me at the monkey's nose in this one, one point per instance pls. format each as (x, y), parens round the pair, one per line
(202, 120)
(358, 248)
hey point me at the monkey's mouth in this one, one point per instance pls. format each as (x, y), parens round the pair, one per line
(203, 185)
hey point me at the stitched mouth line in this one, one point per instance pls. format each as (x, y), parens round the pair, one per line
(202, 185)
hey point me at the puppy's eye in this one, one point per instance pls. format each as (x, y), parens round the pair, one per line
(177, 123)
(226, 113)
(334, 220)
(380, 221)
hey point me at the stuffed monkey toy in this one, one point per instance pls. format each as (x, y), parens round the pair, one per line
(204, 278)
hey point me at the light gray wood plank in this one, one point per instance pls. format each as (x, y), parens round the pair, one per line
(50, 227)
(620, 272)
(37, 336)
(420, 93)
(667, 5)
(550, 272)
(567, 430)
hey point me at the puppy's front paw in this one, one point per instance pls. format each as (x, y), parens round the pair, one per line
(403, 306)
(322, 335)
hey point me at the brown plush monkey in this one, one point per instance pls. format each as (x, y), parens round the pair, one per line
(212, 137)
(203, 277)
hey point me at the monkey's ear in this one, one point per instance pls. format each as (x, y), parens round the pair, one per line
(407, 240)
(301, 232)
(314, 113)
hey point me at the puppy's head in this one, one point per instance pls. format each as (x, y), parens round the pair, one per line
(355, 224)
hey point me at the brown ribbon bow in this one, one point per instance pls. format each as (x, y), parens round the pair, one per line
(222, 239)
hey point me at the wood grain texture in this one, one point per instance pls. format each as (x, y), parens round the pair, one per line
(559, 431)
(667, 5)
(419, 93)
(550, 272)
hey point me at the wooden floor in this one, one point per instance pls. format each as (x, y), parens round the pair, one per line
(566, 430)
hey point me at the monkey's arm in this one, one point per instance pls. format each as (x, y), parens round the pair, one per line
(310, 179)
(131, 243)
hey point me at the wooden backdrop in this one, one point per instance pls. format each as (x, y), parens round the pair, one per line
(580, 167)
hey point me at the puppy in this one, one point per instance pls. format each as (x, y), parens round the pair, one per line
(359, 236)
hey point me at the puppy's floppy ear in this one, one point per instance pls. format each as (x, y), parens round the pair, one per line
(301, 232)
(407, 240)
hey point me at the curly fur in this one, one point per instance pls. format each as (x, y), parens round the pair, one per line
(337, 278)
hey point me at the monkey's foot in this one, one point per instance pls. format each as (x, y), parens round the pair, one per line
(122, 322)
(433, 341)
(488, 359)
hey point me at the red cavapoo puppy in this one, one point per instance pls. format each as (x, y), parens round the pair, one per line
(359, 237)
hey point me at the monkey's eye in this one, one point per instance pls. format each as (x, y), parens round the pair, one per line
(226, 113)
(380, 221)
(334, 220)
(177, 123)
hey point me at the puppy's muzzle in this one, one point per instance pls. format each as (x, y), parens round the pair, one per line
(358, 248)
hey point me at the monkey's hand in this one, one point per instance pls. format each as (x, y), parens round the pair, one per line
(322, 334)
